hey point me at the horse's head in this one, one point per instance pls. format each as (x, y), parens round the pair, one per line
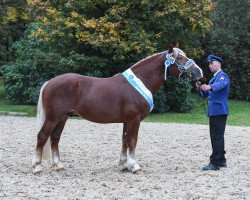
(180, 65)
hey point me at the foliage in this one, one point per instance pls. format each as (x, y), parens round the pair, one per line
(174, 96)
(1, 88)
(230, 39)
(13, 20)
(98, 37)
(160, 102)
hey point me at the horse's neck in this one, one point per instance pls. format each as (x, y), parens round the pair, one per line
(151, 71)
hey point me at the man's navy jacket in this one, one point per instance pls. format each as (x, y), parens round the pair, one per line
(218, 95)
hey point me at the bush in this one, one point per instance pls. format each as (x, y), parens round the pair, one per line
(36, 63)
(174, 96)
(23, 79)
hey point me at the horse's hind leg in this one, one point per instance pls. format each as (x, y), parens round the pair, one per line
(55, 138)
(42, 138)
(129, 141)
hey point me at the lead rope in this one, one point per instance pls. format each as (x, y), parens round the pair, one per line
(203, 104)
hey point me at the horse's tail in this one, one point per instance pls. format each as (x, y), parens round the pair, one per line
(40, 119)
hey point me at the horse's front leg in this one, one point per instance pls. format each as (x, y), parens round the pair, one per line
(130, 135)
(123, 156)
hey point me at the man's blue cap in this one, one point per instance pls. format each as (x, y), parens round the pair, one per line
(211, 58)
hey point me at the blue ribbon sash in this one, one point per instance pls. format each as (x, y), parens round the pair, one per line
(139, 86)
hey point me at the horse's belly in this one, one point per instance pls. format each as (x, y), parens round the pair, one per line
(102, 116)
(109, 112)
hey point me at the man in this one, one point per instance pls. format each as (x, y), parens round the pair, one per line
(217, 92)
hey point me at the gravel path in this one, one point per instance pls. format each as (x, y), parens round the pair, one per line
(171, 156)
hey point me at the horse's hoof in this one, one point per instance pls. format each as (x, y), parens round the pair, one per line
(124, 169)
(59, 167)
(136, 169)
(37, 169)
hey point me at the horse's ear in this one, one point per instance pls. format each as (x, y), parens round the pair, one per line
(170, 47)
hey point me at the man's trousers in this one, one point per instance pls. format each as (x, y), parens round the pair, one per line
(217, 125)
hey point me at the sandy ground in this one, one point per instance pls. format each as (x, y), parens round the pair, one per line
(171, 156)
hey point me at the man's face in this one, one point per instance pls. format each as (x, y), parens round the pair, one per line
(214, 66)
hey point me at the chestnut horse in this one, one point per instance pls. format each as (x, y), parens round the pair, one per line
(105, 100)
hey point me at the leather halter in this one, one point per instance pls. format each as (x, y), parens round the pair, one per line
(170, 60)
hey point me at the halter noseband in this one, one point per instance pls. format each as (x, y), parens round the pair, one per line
(170, 60)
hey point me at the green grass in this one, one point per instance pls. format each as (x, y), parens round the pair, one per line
(239, 112)
(6, 106)
(239, 115)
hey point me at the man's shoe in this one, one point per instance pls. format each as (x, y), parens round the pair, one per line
(210, 167)
(223, 164)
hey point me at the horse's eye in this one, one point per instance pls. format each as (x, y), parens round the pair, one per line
(178, 58)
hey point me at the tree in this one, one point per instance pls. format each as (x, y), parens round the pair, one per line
(100, 37)
(13, 20)
(230, 39)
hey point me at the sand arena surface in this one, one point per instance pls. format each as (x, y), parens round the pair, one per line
(171, 156)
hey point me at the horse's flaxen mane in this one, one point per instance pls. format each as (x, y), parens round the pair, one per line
(179, 51)
(149, 57)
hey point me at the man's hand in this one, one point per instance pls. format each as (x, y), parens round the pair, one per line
(205, 87)
(198, 85)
